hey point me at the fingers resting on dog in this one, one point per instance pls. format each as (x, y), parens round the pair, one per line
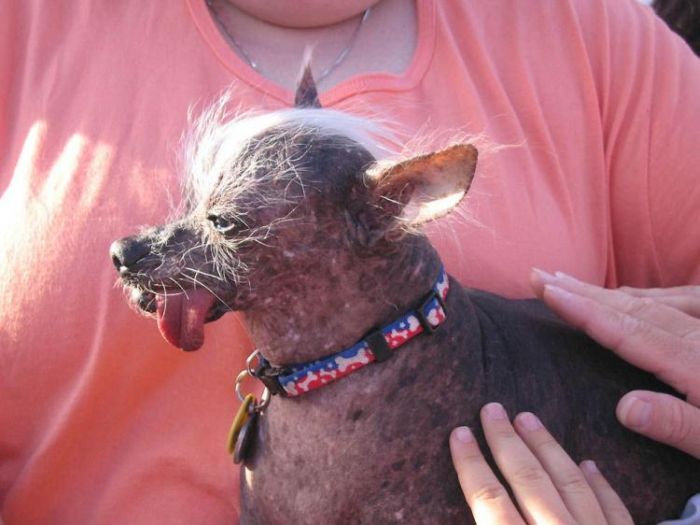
(655, 329)
(548, 486)
(663, 418)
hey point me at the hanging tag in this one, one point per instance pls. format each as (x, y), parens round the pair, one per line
(240, 420)
(245, 438)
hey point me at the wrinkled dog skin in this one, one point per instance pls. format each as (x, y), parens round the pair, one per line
(296, 225)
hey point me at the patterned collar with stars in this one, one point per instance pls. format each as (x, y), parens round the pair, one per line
(376, 347)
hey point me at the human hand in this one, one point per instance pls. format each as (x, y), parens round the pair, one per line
(548, 486)
(655, 329)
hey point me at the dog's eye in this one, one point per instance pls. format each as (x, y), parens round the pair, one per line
(224, 224)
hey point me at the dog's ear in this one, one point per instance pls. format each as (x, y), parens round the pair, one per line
(426, 187)
(414, 191)
(307, 94)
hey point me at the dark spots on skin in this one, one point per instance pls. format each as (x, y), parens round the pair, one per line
(418, 462)
(385, 484)
(407, 379)
(398, 484)
(425, 499)
(357, 414)
(452, 492)
(398, 465)
(367, 285)
(439, 418)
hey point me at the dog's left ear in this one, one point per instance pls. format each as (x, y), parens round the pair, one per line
(413, 192)
(426, 187)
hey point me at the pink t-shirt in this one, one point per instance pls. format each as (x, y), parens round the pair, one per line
(593, 111)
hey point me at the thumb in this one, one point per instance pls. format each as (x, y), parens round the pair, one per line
(662, 417)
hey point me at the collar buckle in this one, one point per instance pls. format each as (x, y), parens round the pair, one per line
(266, 373)
(378, 345)
(427, 306)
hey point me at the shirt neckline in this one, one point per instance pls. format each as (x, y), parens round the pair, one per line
(374, 81)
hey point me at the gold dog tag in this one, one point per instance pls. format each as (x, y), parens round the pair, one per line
(241, 418)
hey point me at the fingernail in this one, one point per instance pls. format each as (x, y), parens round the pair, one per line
(566, 276)
(589, 467)
(635, 412)
(528, 421)
(557, 292)
(495, 411)
(464, 435)
(545, 276)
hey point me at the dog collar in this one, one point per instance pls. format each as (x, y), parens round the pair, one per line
(375, 347)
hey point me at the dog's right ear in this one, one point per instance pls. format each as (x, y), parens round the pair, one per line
(416, 190)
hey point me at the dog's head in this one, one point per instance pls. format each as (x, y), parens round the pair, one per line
(277, 204)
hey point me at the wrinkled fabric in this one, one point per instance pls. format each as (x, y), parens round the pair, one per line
(588, 117)
(690, 515)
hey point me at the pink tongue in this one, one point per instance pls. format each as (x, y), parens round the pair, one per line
(181, 318)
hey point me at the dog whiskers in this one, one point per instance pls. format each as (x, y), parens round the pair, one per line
(201, 272)
(196, 283)
(180, 286)
(190, 250)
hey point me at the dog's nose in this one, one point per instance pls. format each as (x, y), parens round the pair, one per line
(127, 252)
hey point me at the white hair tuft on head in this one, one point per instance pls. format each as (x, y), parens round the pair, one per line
(218, 137)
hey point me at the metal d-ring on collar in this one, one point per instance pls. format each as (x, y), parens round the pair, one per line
(261, 405)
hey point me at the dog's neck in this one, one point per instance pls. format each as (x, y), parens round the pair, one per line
(323, 314)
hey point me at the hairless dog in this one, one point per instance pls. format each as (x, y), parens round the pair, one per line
(375, 354)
